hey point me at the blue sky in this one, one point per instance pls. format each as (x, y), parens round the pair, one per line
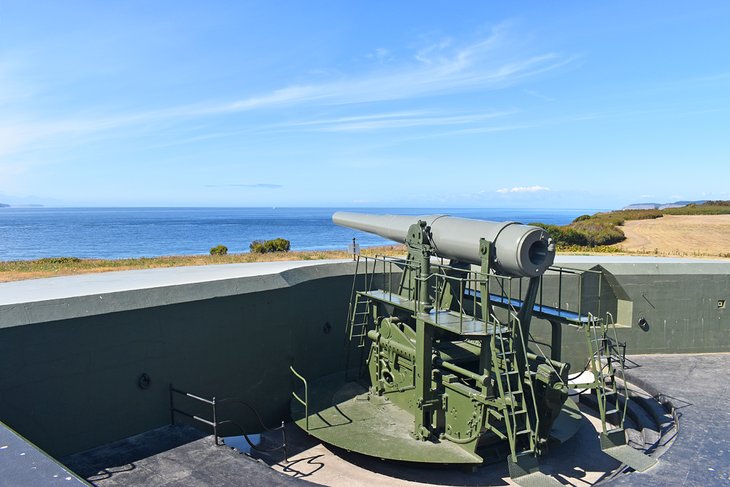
(373, 103)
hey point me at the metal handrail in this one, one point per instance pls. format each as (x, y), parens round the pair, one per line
(211, 402)
(215, 423)
(261, 422)
(304, 402)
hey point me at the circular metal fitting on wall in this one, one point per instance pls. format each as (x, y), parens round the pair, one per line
(144, 381)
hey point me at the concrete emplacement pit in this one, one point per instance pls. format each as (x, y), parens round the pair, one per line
(578, 461)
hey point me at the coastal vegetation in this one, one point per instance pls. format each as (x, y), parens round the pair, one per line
(219, 250)
(601, 231)
(267, 246)
(64, 266)
(707, 208)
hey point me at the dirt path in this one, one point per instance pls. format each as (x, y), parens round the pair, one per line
(695, 235)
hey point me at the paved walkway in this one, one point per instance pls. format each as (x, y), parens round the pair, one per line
(699, 388)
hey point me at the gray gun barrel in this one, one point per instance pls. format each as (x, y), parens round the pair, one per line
(520, 250)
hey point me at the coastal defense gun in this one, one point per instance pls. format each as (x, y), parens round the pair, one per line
(442, 367)
(517, 250)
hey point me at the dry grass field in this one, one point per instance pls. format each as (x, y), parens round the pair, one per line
(679, 235)
(704, 236)
(36, 269)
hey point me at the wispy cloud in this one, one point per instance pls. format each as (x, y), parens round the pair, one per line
(440, 68)
(445, 67)
(395, 120)
(535, 94)
(254, 185)
(523, 189)
(468, 69)
(382, 55)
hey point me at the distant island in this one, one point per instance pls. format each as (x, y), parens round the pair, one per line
(3, 205)
(663, 206)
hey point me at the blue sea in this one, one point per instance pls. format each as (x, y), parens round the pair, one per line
(32, 233)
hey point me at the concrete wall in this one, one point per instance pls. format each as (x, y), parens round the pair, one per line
(72, 384)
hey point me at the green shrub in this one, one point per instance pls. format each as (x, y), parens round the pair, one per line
(582, 217)
(266, 246)
(708, 208)
(565, 235)
(278, 245)
(586, 233)
(219, 250)
(597, 232)
(257, 247)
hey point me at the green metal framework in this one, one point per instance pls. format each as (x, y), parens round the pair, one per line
(450, 345)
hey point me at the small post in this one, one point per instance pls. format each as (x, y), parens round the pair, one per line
(172, 407)
(215, 423)
(354, 248)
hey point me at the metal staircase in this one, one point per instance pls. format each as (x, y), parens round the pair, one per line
(511, 394)
(607, 364)
(360, 319)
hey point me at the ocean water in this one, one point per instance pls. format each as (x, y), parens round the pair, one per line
(32, 233)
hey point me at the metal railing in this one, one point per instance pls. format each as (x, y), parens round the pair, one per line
(580, 275)
(304, 402)
(468, 284)
(215, 423)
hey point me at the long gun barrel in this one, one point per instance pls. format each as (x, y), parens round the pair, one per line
(519, 250)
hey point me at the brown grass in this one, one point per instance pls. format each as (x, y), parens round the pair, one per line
(36, 269)
(679, 235)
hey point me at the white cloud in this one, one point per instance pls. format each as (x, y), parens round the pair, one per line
(246, 185)
(395, 120)
(381, 55)
(523, 189)
(433, 52)
(443, 68)
(536, 94)
(488, 64)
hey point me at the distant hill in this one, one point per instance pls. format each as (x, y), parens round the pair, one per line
(662, 206)
(5, 205)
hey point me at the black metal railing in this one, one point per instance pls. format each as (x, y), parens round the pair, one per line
(215, 423)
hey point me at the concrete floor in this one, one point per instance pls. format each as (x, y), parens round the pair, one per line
(697, 385)
(179, 456)
(699, 456)
(185, 457)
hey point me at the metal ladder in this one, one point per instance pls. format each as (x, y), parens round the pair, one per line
(524, 468)
(604, 372)
(516, 416)
(358, 324)
(360, 320)
(603, 343)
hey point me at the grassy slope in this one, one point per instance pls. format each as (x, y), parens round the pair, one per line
(681, 235)
(600, 232)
